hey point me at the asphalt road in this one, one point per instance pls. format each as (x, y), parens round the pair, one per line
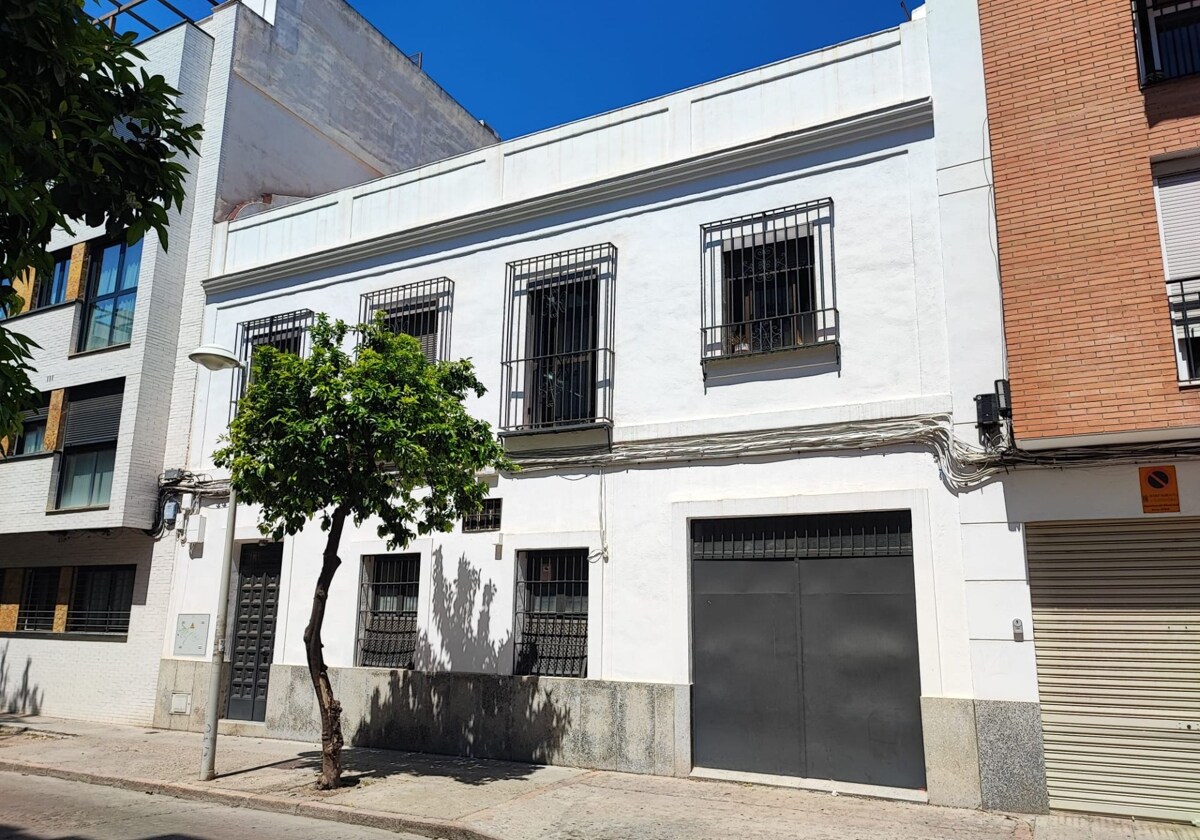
(44, 808)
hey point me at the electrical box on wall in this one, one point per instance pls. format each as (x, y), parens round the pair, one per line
(195, 528)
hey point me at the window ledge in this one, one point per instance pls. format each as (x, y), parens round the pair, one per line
(76, 509)
(65, 637)
(76, 354)
(51, 308)
(28, 456)
(553, 430)
(724, 358)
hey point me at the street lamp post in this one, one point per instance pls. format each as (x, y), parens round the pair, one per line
(214, 357)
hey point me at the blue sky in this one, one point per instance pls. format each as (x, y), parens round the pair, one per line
(528, 65)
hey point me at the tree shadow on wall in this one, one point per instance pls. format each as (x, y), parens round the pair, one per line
(18, 696)
(457, 704)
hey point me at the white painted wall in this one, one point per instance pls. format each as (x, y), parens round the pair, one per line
(645, 179)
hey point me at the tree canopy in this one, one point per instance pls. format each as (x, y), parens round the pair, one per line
(376, 432)
(86, 136)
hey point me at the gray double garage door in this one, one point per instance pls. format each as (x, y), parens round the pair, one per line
(804, 634)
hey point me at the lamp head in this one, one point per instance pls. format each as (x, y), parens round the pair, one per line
(214, 357)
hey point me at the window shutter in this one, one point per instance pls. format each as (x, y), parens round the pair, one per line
(1179, 205)
(94, 414)
(36, 415)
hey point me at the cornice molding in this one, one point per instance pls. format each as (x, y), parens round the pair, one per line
(905, 115)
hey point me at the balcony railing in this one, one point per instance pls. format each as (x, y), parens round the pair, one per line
(1168, 38)
(98, 621)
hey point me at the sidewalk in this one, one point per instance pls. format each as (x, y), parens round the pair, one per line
(465, 799)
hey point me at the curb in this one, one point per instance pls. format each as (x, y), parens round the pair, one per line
(426, 827)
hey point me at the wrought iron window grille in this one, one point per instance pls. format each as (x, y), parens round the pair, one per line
(558, 358)
(387, 611)
(485, 519)
(420, 309)
(767, 282)
(1183, 297)
(1168, 39)
(287, 333)
(552, 613)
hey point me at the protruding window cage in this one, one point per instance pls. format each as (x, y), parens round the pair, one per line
(558, 332)
(767, 282)
(387, 611)
(420, 309)
(288, 333)
(552, 613)
(1168, 38)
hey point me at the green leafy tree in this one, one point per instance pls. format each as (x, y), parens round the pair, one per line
(85, 136)
(379, 432)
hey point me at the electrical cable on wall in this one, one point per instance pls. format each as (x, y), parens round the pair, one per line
(962, 466)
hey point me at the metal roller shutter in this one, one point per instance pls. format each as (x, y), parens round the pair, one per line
(1179, 210)
(94, 413)
(1116, 622)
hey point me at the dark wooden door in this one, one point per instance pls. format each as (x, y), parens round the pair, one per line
(254, 631)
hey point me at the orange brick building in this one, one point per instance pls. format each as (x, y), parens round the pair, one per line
(1094, 118)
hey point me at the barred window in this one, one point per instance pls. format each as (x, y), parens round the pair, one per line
(552, 613)
(102, 601)
(420, 309)
(486, 518)
(768, 282)
(558, 357)
(287, 333)
(387, 604)
(39, 595)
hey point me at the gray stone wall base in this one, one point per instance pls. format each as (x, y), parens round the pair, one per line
(1012, 765)
(951, 753)
(625, 726)
(978, 753)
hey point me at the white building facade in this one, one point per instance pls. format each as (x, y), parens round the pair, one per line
(85, 571)
(730, 335)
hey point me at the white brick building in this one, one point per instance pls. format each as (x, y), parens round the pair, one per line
(84, 590)
(730, 334)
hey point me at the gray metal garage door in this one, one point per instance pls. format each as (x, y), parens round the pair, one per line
(1116, 626)
(804, 635)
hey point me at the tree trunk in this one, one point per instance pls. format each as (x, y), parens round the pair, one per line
(331, 709)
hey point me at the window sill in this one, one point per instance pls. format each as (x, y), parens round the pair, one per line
(65, 637)
(52, 308)
(758, 354)
(28, 456)
(98, 350)
(583, 425)
(76, 509)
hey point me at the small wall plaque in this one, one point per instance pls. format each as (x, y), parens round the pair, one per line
(191, 634)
